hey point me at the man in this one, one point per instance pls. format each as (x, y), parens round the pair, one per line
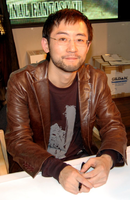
(52, 108)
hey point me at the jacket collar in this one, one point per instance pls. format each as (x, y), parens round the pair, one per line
(84, 85)
(40, 71)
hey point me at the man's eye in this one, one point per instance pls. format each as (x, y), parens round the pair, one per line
(80, 40)
(62, 39)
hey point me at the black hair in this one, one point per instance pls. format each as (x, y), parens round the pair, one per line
(70, 16)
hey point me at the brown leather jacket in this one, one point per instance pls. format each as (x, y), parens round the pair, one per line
(28, 114)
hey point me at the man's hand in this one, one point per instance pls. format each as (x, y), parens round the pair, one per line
(101, 167)
(70, 178)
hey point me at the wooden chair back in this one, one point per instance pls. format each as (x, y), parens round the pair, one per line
(4, 165)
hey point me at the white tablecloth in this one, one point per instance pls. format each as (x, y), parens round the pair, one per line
(21, 186)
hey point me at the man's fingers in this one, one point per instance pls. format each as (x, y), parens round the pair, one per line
(70, 179)
(89, 164)
(84, 189)
(84, 182)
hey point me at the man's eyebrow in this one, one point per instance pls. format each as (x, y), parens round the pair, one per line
(65, 33)
(81, 34)
(62, 33)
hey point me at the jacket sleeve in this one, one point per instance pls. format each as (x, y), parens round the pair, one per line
(19, 135)
(108, 119)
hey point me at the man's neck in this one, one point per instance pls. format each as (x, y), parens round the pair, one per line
(60, 78)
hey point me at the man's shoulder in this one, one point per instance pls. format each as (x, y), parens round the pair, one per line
(94, 70)
(34, 69)
(89, 72)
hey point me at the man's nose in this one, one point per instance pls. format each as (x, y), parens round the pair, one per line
(72, 46)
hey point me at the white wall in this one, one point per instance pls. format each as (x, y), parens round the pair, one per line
(26, 39)
(108, 38)
(118, 40)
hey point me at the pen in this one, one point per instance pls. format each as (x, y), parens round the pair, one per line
(80, 184)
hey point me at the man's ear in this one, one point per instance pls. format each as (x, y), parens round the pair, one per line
(45, 46)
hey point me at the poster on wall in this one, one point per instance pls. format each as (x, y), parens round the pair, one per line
(36, 11)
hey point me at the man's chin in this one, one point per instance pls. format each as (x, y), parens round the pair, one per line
(69, 69)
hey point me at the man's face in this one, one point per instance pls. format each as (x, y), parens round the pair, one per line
(68, 57)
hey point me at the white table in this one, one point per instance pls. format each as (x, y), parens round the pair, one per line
(21, 186)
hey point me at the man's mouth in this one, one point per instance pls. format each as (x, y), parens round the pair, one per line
(70, 57)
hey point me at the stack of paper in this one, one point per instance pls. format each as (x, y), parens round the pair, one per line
(114, 59)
